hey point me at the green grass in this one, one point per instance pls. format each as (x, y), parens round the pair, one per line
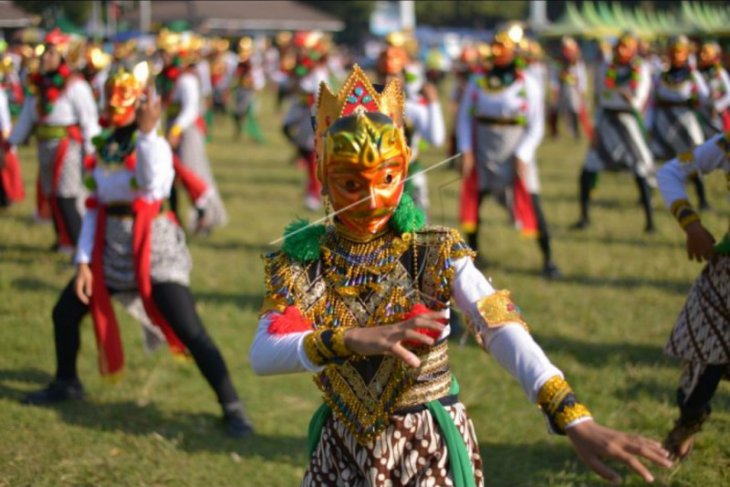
(605, 325)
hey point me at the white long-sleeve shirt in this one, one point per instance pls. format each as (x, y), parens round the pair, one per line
(511, 345)
(704, 158)
(74, 106)
(188, 95)
(6, 123)
(504, 104)
(719, 87)
(153, 175)
(427, 120)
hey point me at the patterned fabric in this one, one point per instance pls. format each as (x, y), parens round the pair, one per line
(620, 145)
(494, 152)
(170, 260)
(192, 154)
(675, 130)
(702, 332)
(410, 451)
(400, 272)
(71, 183)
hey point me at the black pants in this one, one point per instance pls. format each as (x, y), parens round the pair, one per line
(71, 218)
(4, 200)
(586, 183)
(697, 403)
(543, 232)
(176, 304)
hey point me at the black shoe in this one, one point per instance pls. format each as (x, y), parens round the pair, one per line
(581, 224)
(551, 271)
(237, 424)
(56, 391)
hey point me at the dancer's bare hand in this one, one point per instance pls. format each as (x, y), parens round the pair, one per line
(520, 168)
(467, 163)
(700, 242)
(595, 443)
(148, 112)
(84, 281)
(387, 339)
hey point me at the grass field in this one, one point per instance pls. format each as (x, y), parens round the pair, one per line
(604, 324)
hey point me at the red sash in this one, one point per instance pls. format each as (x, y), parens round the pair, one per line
(106, 327)
(10, 176)
(192, 183)
(73, 133)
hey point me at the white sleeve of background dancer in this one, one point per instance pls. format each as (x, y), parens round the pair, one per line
(703, 91)
(644, 89)
(6, 124)
(464, 119)
(279, 354)
(435, 133)
(673, 174)
(722, 104)
(85, 245)
(82, 99)
(535, 128)
(154, 172)
(189, 97)
(510, 344)
(582, 75)
(26, 121)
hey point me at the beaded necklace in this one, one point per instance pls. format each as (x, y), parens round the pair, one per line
(168, 77)
(613, 79)
(355, 267)
(49, 87)
(500, 78)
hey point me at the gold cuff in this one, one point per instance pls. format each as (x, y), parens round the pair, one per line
(557, 400)
(326, 346)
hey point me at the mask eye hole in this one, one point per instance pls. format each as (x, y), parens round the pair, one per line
(350, 185)
(389, 179)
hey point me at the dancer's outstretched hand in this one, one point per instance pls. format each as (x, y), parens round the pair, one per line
(595, 443)
(387, 339)
(84, 281)
(700, 242)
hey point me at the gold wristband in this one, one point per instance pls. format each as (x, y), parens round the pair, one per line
(338, 343)
(570, 414)
(175, 131)
(558, 402)
(689, 218)
(326, 346)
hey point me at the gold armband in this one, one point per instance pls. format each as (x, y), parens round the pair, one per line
(684, 213)
(498, 309)
(557, 400)
(326, 346)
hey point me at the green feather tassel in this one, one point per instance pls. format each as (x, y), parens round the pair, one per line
(301, 240)
(407, 217)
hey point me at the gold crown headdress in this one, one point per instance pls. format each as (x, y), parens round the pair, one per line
(357, 97)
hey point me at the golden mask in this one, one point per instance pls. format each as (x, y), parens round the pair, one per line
(362, 153)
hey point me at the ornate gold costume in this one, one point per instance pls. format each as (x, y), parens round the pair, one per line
(371, 284)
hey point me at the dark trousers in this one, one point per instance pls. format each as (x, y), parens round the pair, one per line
(176, 304)
(696, 404)
(71, 218)
(587, 182)
(543, 237)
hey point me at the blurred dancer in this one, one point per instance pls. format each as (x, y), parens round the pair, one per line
(568, 90)
(679, 92)
(128, 244)
(622, 89)
(64, 116)
(179, 87)
(501, 124)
